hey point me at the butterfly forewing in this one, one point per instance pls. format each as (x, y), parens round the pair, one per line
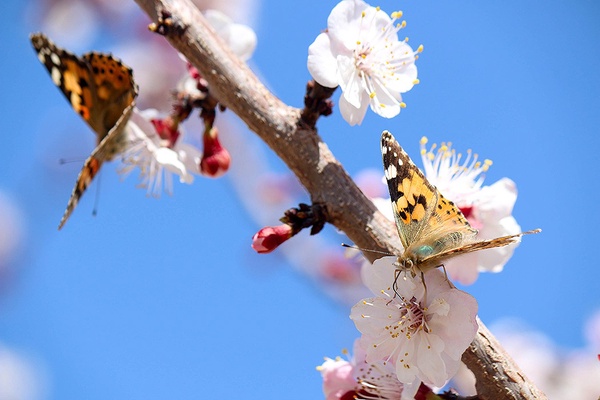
(411, 194)
(114, 90)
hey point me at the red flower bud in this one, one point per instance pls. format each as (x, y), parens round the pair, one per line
(167, 130)
(268, 239)
(215, 159)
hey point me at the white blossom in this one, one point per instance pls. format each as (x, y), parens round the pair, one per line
(361, 53)
(487, 208)
(422, 328)
(158, 158)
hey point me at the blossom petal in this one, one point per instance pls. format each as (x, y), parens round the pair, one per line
(354, 115)
(384, 102)
(343, 21)
(497, 200)
(429, 360)
(321, 63)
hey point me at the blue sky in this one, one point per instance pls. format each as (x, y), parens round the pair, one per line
(155, 299)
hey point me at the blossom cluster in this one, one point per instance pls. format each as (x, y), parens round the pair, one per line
(157, 145)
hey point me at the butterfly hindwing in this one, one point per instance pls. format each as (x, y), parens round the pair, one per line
(92, 165)
(101, 89)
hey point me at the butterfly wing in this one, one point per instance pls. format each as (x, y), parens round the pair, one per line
(436, 259)
(101, 89)
(94, 162)
(413, 197)
(115, 90)
(98, 86)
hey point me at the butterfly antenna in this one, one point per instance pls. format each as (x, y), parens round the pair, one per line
(367, 250)
(63, 161)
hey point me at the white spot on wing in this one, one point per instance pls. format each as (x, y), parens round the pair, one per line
(391, 171)
(56, 76)
(55, 58)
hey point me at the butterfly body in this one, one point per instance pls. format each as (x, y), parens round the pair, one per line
(101, 89)
(431, 227)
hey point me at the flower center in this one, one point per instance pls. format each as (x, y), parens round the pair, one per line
(361, 53)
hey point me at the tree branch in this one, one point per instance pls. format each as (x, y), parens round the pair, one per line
(301, 148)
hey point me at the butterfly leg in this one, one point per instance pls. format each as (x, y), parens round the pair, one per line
(424, 287)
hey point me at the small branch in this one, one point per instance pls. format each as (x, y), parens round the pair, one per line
(296, 142)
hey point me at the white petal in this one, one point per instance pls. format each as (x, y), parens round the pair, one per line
(349, 80)
(429, 360)
(458, 328)
(190, 156)
(354, 115)
(380, 275)
(240, 38)
(242, 41)
(496, 201)
(385, 103)
(409, 390)
(170, 160)
(321, 62)
(406, 366)
(343, 23)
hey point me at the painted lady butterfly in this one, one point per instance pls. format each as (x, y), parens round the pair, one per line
(431, 227)
(101, 89)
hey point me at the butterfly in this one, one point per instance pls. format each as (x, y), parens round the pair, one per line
(431, 227)
(101, 89)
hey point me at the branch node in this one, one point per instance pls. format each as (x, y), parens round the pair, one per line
(316, 103)
(313, 216)
(167, 24)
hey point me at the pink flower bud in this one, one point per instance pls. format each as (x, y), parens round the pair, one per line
(215, 159)
(268, 239)
(167, 130)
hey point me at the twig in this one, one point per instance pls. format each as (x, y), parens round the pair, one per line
(301, 148)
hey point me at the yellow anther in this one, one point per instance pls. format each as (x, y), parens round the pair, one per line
(402, 104)
(416, 82)
(478, 164)
(406, 39)
(381, 105)
(430, 156)
(378, 8)
(363, 56)
(371, 95)
(397, 14)
(443, 148)
(420, 49)
(486, 165)
(362, 14)
(423, 140)
(344, 351)
(358, 42)
(403, 24)
(423, 152)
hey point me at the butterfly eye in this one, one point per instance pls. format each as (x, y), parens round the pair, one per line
(424, 251)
